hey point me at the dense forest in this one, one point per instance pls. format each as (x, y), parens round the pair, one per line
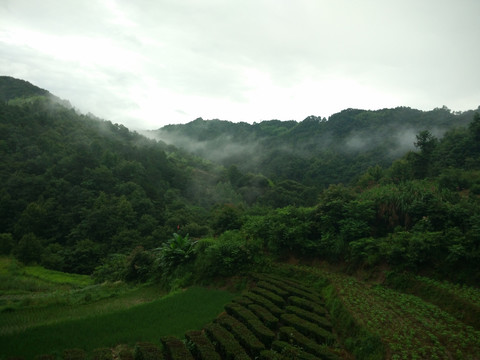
(393, 187)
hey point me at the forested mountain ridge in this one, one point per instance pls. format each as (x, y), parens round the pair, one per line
(77, 192)
(315, 152)
(75, 188)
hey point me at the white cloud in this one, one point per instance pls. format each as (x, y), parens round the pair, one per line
(150, 63)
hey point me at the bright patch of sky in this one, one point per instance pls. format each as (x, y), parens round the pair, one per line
(148, 63)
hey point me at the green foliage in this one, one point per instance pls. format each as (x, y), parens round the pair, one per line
(140, 264)
(74, 354)
(29, 249)
(113, 269)
(142, 322)
(6, 243)
(200, 346)
(176, 251)
(175, 349)
(360, 342)
(229, 254)
(147, 351)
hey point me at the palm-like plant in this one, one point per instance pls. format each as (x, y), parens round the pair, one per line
(176, 251)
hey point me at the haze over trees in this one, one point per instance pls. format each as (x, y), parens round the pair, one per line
(396, 186)
(391, 196)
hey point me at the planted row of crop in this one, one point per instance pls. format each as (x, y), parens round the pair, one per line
(292, 318)
(271, 321)
(410, 327)
(226, 344)
(245, 337)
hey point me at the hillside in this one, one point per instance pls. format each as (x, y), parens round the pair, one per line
(315, 152)
(385, 265)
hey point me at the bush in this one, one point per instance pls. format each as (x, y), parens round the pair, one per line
(361, 343)
(263, 314)
(270, 287)
(229, 255)
(292, 336)
(308, 328)
(271, 355)
(139, 265)
(291, 352)
(113, 269)
(308, 315)
(175, 349)
(264, 334)
(102, 354)
(176, 251)
(200, 346)
(227, 345)
(147, 351)
(74, 354)
(290, 287)
(306, 305)
(244, 336)
(277, 300)
(260, 300)
(6, 243)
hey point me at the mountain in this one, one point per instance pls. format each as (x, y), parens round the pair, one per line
(77, 191)
(11, 88)
(75, 188)
(315, 152)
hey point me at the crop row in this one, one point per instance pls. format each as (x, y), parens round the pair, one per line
(286, 317)
(274, 320)
(411, 327)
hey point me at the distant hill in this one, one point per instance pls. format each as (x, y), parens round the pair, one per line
(316, 151)
(11, 88)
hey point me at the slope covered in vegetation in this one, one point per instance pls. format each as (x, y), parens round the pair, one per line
(83, 195)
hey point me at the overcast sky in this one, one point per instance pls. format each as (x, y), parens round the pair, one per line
(148, 63)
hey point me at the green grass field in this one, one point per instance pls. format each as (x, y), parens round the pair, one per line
(173, 314)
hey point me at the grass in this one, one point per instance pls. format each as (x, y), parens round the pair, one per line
(57, 277)
(171, 315)
(55, 307)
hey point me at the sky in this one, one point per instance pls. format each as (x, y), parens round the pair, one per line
(149, 63)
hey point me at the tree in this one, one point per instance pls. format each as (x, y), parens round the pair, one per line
(427, 143)
(28, 249)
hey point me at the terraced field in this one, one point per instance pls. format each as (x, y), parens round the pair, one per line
(276, 319)
(335, 316)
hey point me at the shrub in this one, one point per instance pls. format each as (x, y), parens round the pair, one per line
(277, 300)
(46, 357)
(308, 328)
(176, 251)
(147, 351)
(361, 343)
(243, 301)
(102, 354)
(306, 305)
(229, 255)
(260, 300)
(200, 346)
(125, 353)
(226, 343)
(175, 349)
(270, 287)
(295, 289)
(264, 334)
(271, 355)
(310, 316)
(263, 314)
(113, 269)
(244, 336)
(291, 352)
(293, 336)
(74, 354)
